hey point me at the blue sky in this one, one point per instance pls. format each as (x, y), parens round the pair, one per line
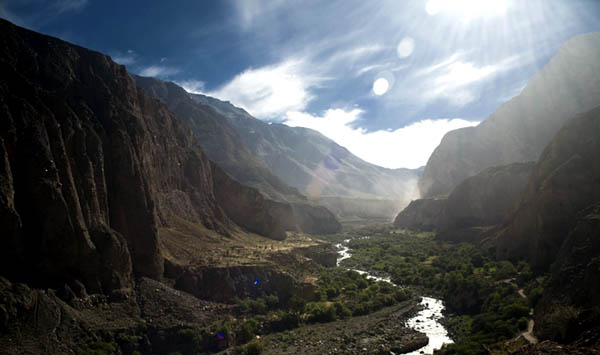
(438, 65)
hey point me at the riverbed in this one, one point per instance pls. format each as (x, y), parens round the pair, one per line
(426, 321)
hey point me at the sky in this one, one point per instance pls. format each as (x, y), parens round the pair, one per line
(384, 78)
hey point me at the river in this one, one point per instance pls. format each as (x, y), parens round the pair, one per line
(426, 321)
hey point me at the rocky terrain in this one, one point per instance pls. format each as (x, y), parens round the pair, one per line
(225, 147)
(378, 333)
(481, 201)
(421, 214)
(320, 168)
(472, 208)
(521, 128)
(565, 313)
(565, 181)
(111, 212)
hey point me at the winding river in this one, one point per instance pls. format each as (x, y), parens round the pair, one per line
(426, 321)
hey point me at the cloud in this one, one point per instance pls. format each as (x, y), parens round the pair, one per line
(127, 58)
(192, 86)
(158, 71)
(455, 79)
(62, 6)
(249, 10)
(270, 92)
(408, 147)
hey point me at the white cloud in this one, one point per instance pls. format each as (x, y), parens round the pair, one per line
(126, 58)
(408, 147)
(271, 91)
(455, 78)
(249, 10)
(158, 71)
(192, 86)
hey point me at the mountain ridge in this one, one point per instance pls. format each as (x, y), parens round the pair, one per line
(520, 128)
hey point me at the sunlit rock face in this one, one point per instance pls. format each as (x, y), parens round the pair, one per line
(481, 201)
(566, 180)
(320, 168)
(287, 208)
(521, 128)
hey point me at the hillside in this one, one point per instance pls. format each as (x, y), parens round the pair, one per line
(320, 168)
(113, 217)
(224, 146)
(566, 180)
(521, 128)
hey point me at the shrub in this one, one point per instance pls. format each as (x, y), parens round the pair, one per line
(254, 348)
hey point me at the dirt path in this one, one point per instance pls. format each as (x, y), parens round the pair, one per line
(528, 334)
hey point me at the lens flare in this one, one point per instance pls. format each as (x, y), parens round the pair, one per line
(380, 86)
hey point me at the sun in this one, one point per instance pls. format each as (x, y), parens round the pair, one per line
(468, 8)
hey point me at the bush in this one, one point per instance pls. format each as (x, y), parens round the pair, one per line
(254, 348)
(320, 313)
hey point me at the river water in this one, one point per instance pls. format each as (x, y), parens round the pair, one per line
(426, 321)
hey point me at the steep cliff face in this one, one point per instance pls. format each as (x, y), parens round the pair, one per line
(91, 167)
(421, 214)
(521, 128)
(474, 206)
(566, 180)
(225, 147)
(320, 168)
(570, 304)
(482, 201)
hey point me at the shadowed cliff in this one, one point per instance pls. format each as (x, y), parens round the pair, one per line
(521, 128)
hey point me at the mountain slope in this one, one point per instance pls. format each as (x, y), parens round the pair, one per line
(319, 167)
(521, 128)
(474, 206)
(565, 181)
(92, 168)
(224, 146)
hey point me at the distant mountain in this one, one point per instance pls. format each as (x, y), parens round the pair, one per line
(566, 180)
(521, 128)
(224, 146)
(320, 168)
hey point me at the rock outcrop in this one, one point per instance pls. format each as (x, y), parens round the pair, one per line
(91, 167)
(521, 128)
(570, 304)
(320, 168)
(225, 147)
(481, 201)
(566, 180)
(474, 206)
(422, 214)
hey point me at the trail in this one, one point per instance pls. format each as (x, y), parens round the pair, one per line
(528, 334)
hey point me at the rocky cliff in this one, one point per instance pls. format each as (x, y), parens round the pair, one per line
(521, 128)
(481, 201)
(225, 147)
(91, 167)
(422, 214)
(570, 304)
(107, 203)
(473, 207)
(566, 180)
(320, 168)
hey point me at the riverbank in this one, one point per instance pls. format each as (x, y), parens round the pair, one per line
(379, 332)
(426, 321)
